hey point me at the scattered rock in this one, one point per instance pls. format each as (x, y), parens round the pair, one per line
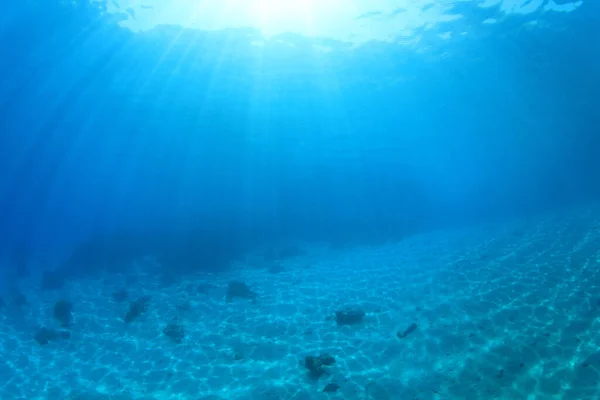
(349, 316)
(120, 295)
(240, 290)
(174, 331)
(407, 331)
(316, 364)
(331, 388)
(45, 336)
(137, 308)
(63, 312)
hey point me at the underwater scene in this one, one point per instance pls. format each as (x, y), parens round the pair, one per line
(299, 200)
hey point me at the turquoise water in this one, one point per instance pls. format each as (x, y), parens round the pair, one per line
(270, 199)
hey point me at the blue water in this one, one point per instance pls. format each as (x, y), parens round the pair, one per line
(193, 198)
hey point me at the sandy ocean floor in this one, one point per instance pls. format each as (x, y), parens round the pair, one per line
(507, 311)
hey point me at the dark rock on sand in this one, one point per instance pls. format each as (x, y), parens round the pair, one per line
(63, 312)
(407, 331)
(137, 308)
(175, 331)
(316, 364)
(45, 336)
(331, 388)
(237, 289)
(349, 316)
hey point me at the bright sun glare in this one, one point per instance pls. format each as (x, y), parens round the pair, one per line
(273, 15)
(335, 19)
(352, 21)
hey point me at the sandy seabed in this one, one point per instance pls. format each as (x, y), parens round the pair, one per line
(506, 311)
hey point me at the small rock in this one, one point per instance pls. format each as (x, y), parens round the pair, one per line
(331, 388)
(349, 316)
(175, 332)
(240, 290)
(137, 308)
(63, 312)
(316, 364)
(45, 336)
(407, 331)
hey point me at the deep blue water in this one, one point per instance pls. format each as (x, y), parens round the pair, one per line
(200, 148)
(109, 132)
